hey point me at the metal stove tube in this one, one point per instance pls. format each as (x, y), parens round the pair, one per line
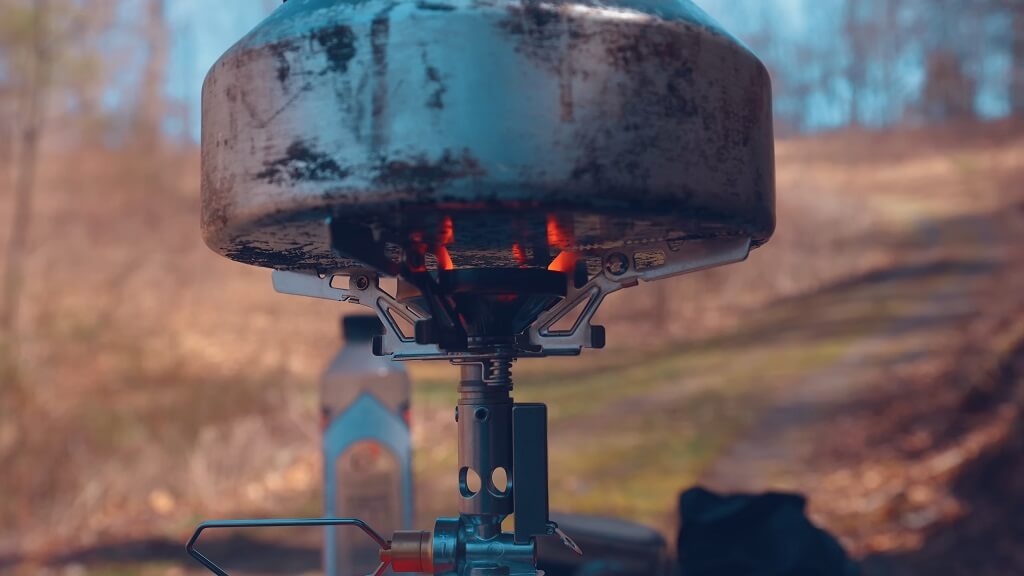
(485, 446)
(474, 544)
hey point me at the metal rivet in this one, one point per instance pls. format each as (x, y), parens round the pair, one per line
(616, 264)
(362, 283)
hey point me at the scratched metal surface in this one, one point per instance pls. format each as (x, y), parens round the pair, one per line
(625, 120)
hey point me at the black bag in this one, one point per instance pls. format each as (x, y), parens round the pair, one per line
(754, 535)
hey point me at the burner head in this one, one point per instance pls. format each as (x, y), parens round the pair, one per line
(622, 122)
(495, 305)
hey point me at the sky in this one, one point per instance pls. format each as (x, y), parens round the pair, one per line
(205, 29)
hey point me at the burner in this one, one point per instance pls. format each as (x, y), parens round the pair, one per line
(493, 305)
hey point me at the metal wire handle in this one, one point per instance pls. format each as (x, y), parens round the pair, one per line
(286, 523)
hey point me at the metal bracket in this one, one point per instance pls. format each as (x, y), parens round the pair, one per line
(620, 268)
(363, 289)
(624, 268)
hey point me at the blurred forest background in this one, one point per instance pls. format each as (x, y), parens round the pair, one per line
(871, 356)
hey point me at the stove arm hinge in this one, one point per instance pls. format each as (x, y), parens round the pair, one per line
(623, 268)
(363, 289)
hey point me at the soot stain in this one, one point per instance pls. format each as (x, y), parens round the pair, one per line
(276, 257)
(436, 85)
(339, 43)
(589, 169)
(302, 163)
(435, 6)
(380, 30)
(281, 52)
(380, 33)
(539, 33)
(530, 19)
(422, 174)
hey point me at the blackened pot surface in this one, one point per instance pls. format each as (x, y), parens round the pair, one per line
(621, 122)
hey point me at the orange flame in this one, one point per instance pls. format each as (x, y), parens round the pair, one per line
(557, 237)
(519, 254)
(565, 262)
(444, 259)
(563, 240)
(446, 235)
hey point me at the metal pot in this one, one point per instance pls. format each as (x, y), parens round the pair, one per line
(491, 122)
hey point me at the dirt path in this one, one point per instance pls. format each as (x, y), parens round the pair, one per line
(922, 305)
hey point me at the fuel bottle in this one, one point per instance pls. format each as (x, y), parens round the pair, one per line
(367, 447)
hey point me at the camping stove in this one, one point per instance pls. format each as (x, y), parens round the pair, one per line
(511, 163)
(483, 320)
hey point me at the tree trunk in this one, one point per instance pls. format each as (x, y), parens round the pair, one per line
(855, 68)
(8, 129)
(1017, 74)
(35, 101)
(152, 108)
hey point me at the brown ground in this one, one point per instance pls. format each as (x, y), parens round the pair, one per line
(865, 357)
(909, 445)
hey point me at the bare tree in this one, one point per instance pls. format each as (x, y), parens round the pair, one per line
(1017, 51)
(892, 41)
(186, 40)
(7, 132)
(949, 91)
(857, 59)
(151, 109)
(33, 116)
(956, 49)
